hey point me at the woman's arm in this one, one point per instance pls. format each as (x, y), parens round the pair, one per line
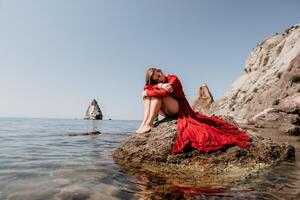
(151, 87)
(157, 93)
(172, 80)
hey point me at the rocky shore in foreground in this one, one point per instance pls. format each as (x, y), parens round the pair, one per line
(154, 149)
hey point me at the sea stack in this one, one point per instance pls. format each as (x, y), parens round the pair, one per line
(93, 112)
(203, 101)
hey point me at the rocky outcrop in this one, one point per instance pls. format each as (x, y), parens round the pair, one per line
(268, 92)
(203, 100)
(154, 149)
(93, 111)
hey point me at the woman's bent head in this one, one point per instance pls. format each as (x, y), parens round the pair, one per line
(154, 76)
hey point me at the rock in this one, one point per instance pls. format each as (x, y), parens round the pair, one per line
(268, 90)
(287, 121)
(229, 119)
(91, 133)
(261, 115)
(290, 104)
(93, 111)
(290, 129)
(73, 192)
(154, 149)
(203, 101)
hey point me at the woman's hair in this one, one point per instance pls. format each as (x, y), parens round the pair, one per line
(149, 74)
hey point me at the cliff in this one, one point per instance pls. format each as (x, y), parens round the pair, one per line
(268, 92)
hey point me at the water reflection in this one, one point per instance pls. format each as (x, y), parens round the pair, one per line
(151, 188)
(153, 184)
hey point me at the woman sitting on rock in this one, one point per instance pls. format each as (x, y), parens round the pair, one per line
(163, 94)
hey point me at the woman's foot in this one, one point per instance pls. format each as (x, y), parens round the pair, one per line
(144, 129)
(140, 128)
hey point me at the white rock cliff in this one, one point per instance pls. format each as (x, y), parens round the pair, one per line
(269, 88)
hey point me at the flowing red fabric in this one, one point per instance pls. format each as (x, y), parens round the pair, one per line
(195, 130)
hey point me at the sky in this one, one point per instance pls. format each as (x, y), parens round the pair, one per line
(56, 56)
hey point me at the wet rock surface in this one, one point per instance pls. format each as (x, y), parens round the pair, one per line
(154, 149)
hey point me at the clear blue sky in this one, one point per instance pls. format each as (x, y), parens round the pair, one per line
(56, 56)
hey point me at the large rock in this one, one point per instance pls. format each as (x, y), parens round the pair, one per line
(268, 92)
(154, 149)
(93, 111)
(203, 100)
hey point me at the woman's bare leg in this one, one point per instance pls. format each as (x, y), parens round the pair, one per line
(162, 112)
(166, 106)
(155, 106)
(170, 106)
(147, 101)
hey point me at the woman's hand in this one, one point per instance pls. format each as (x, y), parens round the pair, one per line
(144, 94)
(167, 86)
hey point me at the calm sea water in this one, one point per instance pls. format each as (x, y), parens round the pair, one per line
(38, 160)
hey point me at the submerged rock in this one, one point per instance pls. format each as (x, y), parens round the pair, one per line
(154, 149)
(93, 111)
(86, 133)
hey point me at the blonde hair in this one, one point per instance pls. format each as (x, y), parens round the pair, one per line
(149, 74)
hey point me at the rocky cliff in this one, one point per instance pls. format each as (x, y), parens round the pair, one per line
(93, 111)
(268, 91)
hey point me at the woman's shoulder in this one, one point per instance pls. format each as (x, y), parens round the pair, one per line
(150, 86)
(172, 76)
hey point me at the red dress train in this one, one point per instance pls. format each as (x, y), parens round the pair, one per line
(196, 130)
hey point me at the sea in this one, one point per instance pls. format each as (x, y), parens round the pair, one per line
(40, 161)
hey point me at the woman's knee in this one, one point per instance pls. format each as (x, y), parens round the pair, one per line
(157, 99)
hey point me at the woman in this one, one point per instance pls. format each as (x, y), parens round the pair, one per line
(163, 94)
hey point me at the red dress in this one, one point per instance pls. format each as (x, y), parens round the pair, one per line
(196, 130)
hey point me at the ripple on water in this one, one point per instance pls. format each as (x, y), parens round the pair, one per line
(39, 161)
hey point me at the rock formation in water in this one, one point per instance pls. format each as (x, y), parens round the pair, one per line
(203, 101)
(91, 133)
(267, 94)
(93, 111)
(154, 149)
